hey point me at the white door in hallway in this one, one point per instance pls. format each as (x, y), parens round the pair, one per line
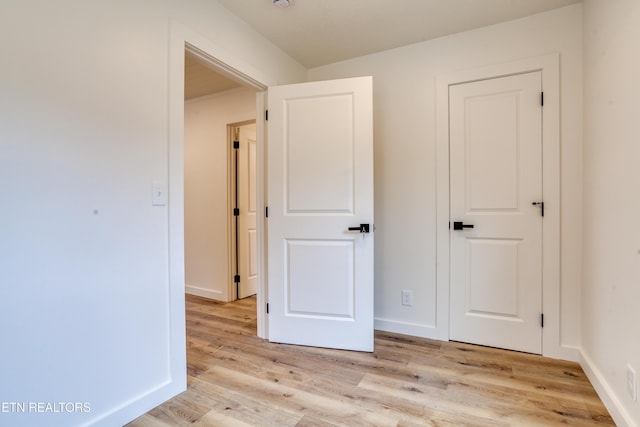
(320, 184)
(495, 179)
(247, 247)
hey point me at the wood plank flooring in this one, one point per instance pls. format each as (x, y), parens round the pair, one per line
(237, 379)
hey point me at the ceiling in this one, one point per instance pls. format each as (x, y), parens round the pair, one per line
(200, 80)
(320, 32)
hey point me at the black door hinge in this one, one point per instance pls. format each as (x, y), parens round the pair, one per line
(542, 98)
(266, 115)
(236, 144)
(267, 308)
(266, 211)
(542, 320)
(236, 212)
(236, 278)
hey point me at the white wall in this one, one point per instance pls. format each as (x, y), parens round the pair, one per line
(206, 188)
(84, 131)
(611, 320)
(405, 159)
(84, 96)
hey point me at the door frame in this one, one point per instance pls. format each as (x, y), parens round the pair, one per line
(181, 40)
(549, 65)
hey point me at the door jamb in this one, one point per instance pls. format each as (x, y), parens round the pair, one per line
(549, 65)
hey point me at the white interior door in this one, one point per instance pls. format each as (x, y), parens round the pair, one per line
(496, 177)
(247, 246)
(320, 184)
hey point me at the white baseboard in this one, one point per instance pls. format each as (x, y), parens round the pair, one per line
(570, 353)
(138, 406)
(563, 352)
(413, 329)
(204, 293)
(616, 409)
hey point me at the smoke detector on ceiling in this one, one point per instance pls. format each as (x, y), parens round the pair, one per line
(282, 3)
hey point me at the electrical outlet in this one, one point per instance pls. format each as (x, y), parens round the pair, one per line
(407, 298)
(632, 383)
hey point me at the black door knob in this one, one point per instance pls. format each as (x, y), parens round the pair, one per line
(458, 225)
(364, 228)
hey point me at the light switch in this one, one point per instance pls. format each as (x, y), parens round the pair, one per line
(159, 197)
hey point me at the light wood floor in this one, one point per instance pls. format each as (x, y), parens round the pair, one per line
(237, 379)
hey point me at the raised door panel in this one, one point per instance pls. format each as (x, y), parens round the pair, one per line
(320, 279)
(492, 152)
(319, 163)
(494, 282)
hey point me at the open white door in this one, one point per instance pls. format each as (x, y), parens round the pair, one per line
(320, 184)
(247, 243)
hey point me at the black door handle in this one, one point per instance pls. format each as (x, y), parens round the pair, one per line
(364, 228)
(458, 225)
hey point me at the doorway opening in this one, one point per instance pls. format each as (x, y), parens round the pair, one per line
(215, 104)
(184, 40)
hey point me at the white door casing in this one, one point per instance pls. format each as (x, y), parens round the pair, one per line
(320, 184)
(495, 176)
(247, 244)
